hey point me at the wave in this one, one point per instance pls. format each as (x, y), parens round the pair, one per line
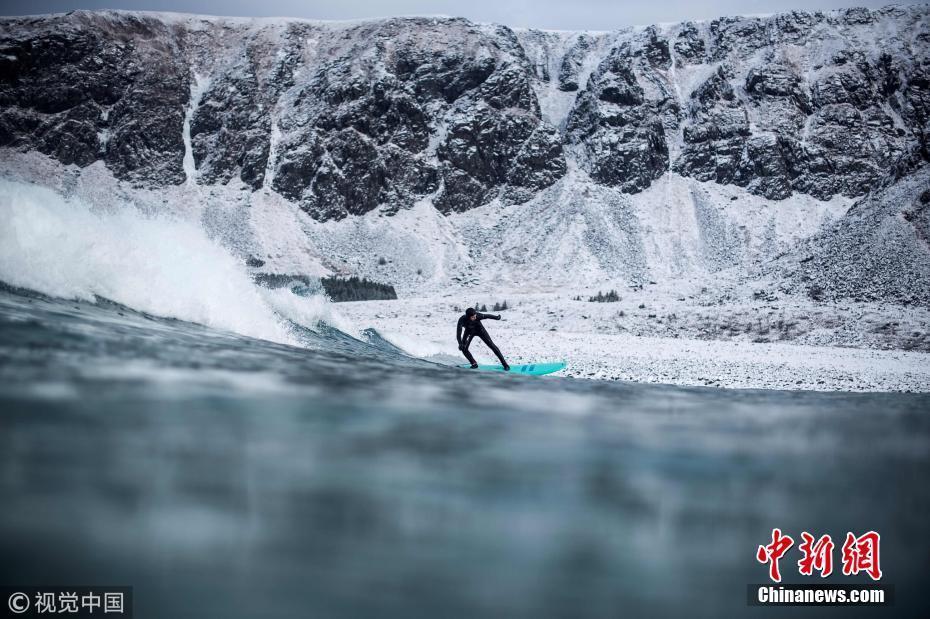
(167, 267)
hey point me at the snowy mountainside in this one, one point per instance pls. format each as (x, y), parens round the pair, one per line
(880, 251)
(478, 155)
(343, 118)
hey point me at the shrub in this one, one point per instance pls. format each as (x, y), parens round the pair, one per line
(355, 289)
(610, 297)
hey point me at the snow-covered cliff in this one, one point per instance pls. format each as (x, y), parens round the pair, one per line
(649, 152)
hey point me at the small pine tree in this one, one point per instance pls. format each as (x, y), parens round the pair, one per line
(382, 261)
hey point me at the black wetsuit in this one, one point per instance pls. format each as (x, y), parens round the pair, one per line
(473, 328)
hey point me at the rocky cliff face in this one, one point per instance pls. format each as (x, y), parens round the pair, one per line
(343, 119)
(84, 88)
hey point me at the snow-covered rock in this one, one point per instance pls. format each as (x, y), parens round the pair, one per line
(468, 154)
(880, 251)
(345, 117)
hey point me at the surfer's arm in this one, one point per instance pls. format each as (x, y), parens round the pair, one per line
(458, 333)
(489, 316)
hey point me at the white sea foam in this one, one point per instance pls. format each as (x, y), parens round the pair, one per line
(166, 267)
(416, 346)
(307, 310)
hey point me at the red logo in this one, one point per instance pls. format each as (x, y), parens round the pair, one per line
(860, 554)
(817, 556)
(773, 552)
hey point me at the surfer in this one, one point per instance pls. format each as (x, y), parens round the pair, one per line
(470, 323)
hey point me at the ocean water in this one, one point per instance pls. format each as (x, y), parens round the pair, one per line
(231, 451)
(227, 476)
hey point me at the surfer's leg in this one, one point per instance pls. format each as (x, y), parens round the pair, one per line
(466, 342)
(490, 344)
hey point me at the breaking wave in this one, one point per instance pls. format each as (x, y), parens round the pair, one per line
(167, 267)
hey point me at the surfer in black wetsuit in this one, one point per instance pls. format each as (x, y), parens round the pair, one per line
(470, 323)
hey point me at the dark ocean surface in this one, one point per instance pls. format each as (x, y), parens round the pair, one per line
(223, 476)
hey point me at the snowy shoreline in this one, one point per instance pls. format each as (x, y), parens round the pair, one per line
(531, 331)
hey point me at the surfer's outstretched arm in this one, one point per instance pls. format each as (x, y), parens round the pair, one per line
(489, 316)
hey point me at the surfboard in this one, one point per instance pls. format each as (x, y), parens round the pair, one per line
(527, 369)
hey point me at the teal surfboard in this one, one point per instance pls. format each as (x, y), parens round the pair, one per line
(528, 369)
